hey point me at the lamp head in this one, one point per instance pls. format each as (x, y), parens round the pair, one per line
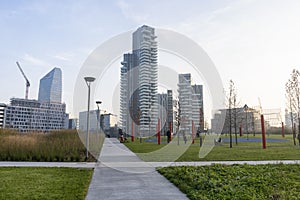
(89, 79)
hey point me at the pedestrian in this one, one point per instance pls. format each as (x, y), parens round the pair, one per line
(169, 136)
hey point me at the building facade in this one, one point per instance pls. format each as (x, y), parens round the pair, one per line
(138, 91)
(31, 115)
(165, 111)
(94, 124)
(190, 104)
(185, 102)
(197, 107)
(50, 89)
(248, 121)
(2, 113)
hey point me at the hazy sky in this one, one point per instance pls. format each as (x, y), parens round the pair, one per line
(256, 43)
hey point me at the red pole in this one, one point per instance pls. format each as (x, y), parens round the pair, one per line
(171, 130)
(241, 130)
(158, 132)
(132, 132)
(193, 132)
(263, 131)
(282, 129)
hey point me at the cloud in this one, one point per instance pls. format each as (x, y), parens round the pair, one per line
(35, 61)
(64, 56)
(131, 14)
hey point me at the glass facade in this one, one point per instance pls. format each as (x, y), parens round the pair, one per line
(51, 86)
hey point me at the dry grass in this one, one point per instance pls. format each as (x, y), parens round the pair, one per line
(54, 146)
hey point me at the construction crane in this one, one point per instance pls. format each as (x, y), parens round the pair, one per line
(27, 81)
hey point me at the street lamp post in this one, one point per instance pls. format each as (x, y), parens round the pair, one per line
(88, 81)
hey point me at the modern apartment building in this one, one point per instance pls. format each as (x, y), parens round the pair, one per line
(50, 89)
(185, 102)
(190, 104)
(139, 75)
(197, 107)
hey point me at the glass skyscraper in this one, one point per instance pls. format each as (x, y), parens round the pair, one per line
(51, 86)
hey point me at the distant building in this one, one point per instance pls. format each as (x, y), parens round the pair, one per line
(2, 113)
(185, 102)
(50, 89)
(94, 124)
(103, 121)
(165, 111)
(73, 123)
(190, 104)
(138, 91)
(197, 107)
(108, 121)
(45, 114)
(248, 120)
(31, 115)
(288, 117)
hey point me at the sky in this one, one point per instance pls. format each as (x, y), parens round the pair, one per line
(255, 43)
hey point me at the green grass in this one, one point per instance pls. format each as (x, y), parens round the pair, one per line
(57, 146)
(220, 152)
(236, 181)
(44, 183)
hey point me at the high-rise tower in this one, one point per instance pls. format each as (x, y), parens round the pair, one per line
(51, 86)
(139, 74)
(191, 104)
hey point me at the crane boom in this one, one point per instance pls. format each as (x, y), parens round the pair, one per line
(26, 79)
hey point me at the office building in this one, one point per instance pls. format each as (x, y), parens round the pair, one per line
(31, 115)
(138, 92)
(2, 112)
(43, 115)
(50, 89)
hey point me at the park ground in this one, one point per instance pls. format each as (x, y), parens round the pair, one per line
(276, 181)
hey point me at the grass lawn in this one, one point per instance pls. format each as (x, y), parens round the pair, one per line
(241, 151)
(236, 181)
(44, 183)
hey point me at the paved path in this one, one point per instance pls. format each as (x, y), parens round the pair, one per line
(122, 175)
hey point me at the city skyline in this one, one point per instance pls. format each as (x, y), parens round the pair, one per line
(250, 42)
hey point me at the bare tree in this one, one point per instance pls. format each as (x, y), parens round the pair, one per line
(236, 111)
(231, 99)
(293, 101)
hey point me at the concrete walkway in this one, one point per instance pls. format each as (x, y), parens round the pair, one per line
(122, 175)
